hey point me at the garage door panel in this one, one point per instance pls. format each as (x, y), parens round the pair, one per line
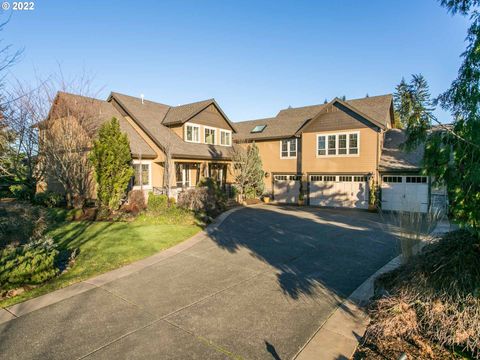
(286, 190)
(338, 191)
(405, 193)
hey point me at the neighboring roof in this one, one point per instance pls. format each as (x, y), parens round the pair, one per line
(101, 112)
(150, 115)
(288, 122)
(394, 158)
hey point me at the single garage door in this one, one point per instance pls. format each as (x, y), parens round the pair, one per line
(286, 188)
(405, 193)
(339, 191)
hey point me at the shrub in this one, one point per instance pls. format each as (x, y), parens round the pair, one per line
(30, 264)
(111, 160)
(208, 198)
(20, 223)
(435, 296)
(136, 202)
(49, 199)
(20, 191)
(157, 203)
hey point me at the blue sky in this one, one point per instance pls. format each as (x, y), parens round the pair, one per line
(253, 57)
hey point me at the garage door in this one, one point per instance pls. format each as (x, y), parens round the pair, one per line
(339, 191)
(405, 193)
(286, 188)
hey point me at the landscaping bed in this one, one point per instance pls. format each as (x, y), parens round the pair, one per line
(97, 246)
(430, 307)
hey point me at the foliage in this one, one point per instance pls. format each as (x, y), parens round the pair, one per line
(104, 246)
(20, 191)
(48, 198)
(21, 223)
(135, 202)
(206, 198)
(452, 153)
(111, 160)
(372, 194)
(248, 170)
(157, 203)
(437, 296)
(29, 264)
(413, 107)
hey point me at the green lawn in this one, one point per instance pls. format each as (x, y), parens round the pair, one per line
(105, 246)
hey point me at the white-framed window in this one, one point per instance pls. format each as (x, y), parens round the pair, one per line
(226, 137)
(288, 148)
(142, 177)
(192, 133)
(342, 144)
(182, 175)
(210, 134)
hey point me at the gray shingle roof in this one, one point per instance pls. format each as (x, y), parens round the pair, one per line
(102, 112)
(150, 117)
(289, 121)
(180, 114)
(394, 158)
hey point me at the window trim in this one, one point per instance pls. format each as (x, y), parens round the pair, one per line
(185, 132)
(144, 162)
(225, 132)
(337, 143)
(214, 136)
(289, 150)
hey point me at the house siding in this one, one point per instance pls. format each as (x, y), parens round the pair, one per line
(365, 162)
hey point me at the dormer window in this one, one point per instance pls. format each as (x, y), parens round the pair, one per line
(258, 129)
(192, 133)
(210, 135)
(225, 137)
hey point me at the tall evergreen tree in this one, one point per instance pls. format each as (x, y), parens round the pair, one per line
(111, 159)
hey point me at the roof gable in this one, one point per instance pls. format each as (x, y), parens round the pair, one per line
(98, 112)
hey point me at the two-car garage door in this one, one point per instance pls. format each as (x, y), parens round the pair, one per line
(324, 190)
(349, 191)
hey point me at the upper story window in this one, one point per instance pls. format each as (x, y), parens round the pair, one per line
(226, 137)
(210, 135)
(288, 148)
(192, 133)
(338, 144)
(142, 176)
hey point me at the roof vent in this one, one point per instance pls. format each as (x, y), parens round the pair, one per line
(142, 96)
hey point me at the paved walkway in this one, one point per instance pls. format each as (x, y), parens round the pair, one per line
(257, 287)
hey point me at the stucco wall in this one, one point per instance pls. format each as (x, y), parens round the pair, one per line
(364, 162)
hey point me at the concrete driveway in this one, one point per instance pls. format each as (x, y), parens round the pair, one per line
(257, 288)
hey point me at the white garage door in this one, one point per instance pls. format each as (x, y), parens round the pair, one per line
(286, 188)
(339, 191)
(405, 193)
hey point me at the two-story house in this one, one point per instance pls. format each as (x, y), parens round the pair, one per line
(332, 152)
(191, 141)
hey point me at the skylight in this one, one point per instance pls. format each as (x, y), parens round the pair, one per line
(258, 129)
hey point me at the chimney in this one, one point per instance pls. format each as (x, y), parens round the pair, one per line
(142, 96)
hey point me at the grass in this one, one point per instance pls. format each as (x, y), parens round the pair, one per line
(104, 246)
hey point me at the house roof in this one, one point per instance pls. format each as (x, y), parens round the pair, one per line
(150, 116)
(394, 158)
(100, 112)
(288, 122)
